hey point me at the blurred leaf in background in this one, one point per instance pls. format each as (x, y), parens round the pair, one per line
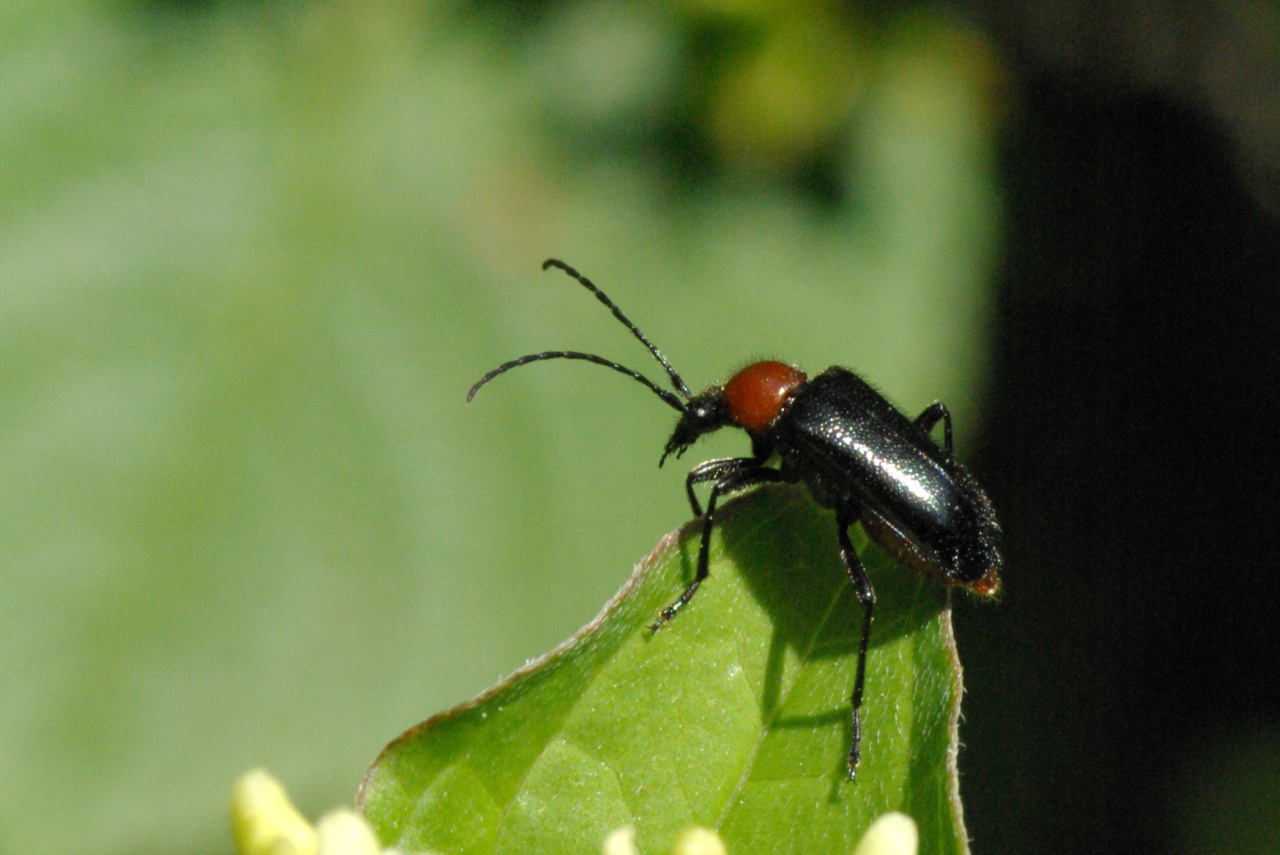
(252, 256)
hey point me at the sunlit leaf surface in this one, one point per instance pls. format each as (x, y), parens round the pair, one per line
(734, 716)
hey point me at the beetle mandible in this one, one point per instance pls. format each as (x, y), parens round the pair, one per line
(858, 455)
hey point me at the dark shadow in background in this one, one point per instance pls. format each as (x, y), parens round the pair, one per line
(1131, 448)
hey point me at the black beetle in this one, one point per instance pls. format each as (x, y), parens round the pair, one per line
(858, 455)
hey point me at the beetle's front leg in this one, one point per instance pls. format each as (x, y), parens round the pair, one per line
(714, 470)
(736, 474)
(867, 596)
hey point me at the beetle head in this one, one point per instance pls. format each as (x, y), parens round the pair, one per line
(752, 400)
(702, 414)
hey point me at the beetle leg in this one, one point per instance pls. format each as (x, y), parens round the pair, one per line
(867, 596)
(738, 474)
(930, 417)
(714, 470)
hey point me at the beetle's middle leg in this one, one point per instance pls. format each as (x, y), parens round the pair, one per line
(735, 474)
(867, 596)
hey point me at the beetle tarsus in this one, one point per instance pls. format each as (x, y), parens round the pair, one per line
(665, 616)
(855, 745)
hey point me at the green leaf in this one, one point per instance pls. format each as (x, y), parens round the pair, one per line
(735, 716)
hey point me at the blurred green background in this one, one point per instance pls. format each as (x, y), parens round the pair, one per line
(252, 255)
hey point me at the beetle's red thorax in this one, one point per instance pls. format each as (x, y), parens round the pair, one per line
(756, 394)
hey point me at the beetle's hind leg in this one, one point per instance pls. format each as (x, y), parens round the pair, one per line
(935, 412)
(867, 596)
(732, 475)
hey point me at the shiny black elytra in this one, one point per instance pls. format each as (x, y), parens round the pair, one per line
(858, 455)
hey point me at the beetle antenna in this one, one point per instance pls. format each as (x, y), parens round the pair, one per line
(676, 379)
(671, 399)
